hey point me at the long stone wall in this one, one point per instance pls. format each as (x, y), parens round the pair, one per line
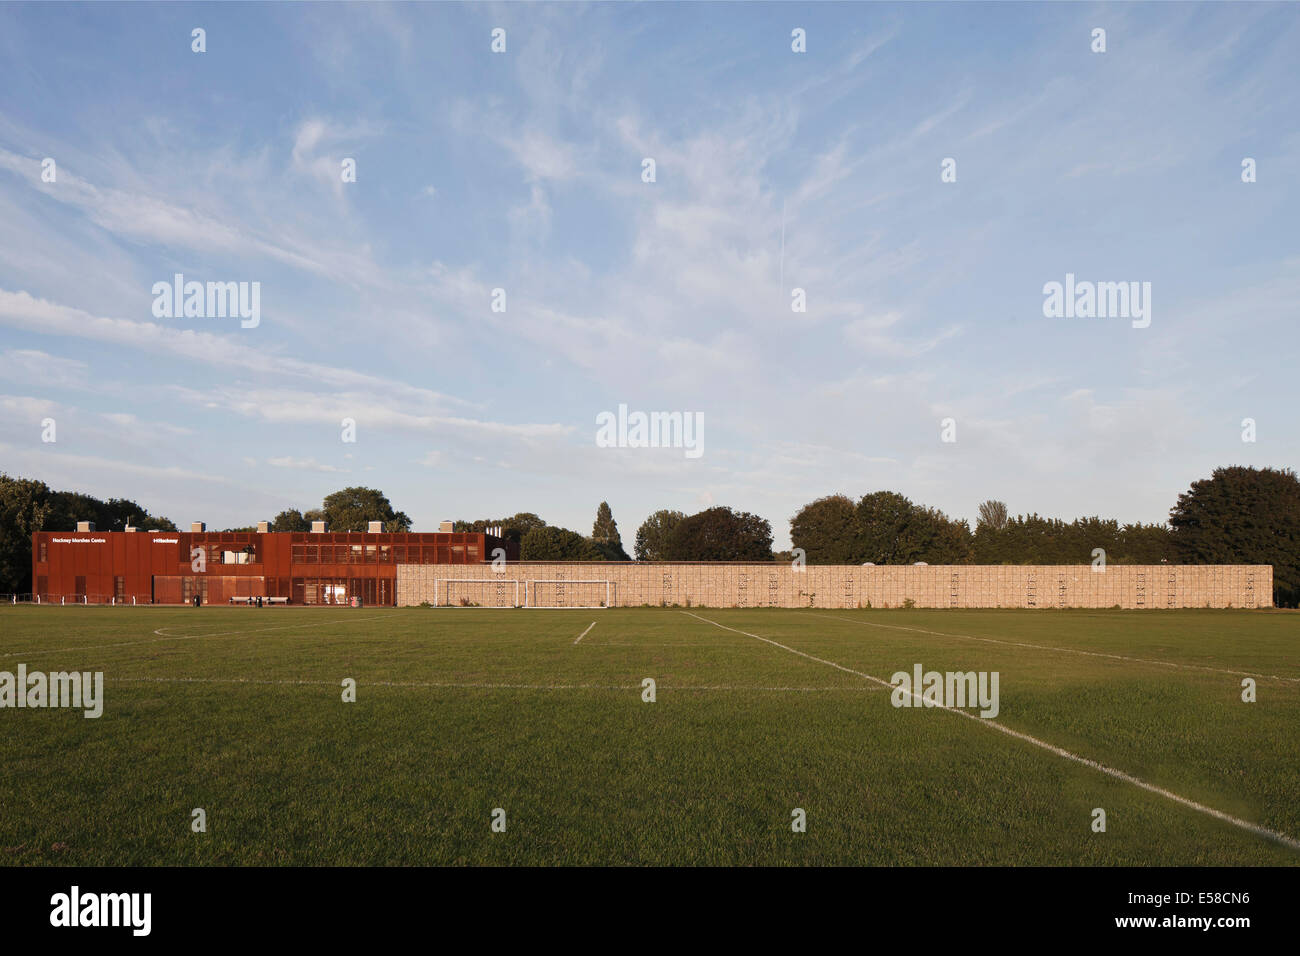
(540, 584)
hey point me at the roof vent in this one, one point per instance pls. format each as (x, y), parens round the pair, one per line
(318, 527)
(131, 528)
(446, 527)
(85, 526)
(376, 527)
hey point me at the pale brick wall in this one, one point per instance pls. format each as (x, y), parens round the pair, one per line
(839, 586)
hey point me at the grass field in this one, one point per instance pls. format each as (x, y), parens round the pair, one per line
(239, 711)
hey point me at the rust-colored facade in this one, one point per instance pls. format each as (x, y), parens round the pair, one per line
(170, 567)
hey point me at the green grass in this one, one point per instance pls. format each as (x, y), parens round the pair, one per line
(588, 773)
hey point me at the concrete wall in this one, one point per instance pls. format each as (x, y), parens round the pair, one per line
(838, 586)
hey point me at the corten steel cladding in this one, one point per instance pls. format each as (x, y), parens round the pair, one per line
(169, 567)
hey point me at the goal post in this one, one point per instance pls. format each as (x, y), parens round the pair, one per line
(475, 592)
(556, 593)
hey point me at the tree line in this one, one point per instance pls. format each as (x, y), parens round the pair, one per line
(28, 506)
(1239, 515)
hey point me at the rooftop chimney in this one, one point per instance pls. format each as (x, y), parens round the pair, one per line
(85, 526)
(263, 527)
(318, 527)
(197, 527)
(376, 527)
(446, 526)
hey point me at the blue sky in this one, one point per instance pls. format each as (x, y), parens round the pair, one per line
(522, 171)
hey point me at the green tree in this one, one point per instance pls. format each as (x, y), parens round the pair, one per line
(940, 539)
(24, 509)
(604, 534)
(550, 543)
(69, 507)
(652, 536)
(1147, 544)
(512, 529)
(896, 531)
(992, 514)
(290, 520)
(827, 530)
(352, 509)
(1242, 515)
(886, 520)
(721, 534)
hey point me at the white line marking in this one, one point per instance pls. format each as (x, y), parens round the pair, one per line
(586, 632)
(1064, 650)
(733, 644)
(476, 686)
(1264, 832)
(176, 637)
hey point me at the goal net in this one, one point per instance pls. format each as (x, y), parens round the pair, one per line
(590, 594)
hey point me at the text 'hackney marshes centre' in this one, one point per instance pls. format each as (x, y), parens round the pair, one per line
(484, 570)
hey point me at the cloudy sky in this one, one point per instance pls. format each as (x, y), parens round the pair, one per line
(523, 171)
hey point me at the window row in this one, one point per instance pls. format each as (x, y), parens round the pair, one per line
(384, 554)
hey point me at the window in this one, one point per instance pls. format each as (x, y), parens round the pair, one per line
(44, 552)
(119, 588)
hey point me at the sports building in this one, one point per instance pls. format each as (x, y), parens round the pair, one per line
(168, 567)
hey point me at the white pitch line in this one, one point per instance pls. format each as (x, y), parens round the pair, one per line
(586, 632)
(475, 686)
(175, 637)
(1065, 650)
(1265, 832)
